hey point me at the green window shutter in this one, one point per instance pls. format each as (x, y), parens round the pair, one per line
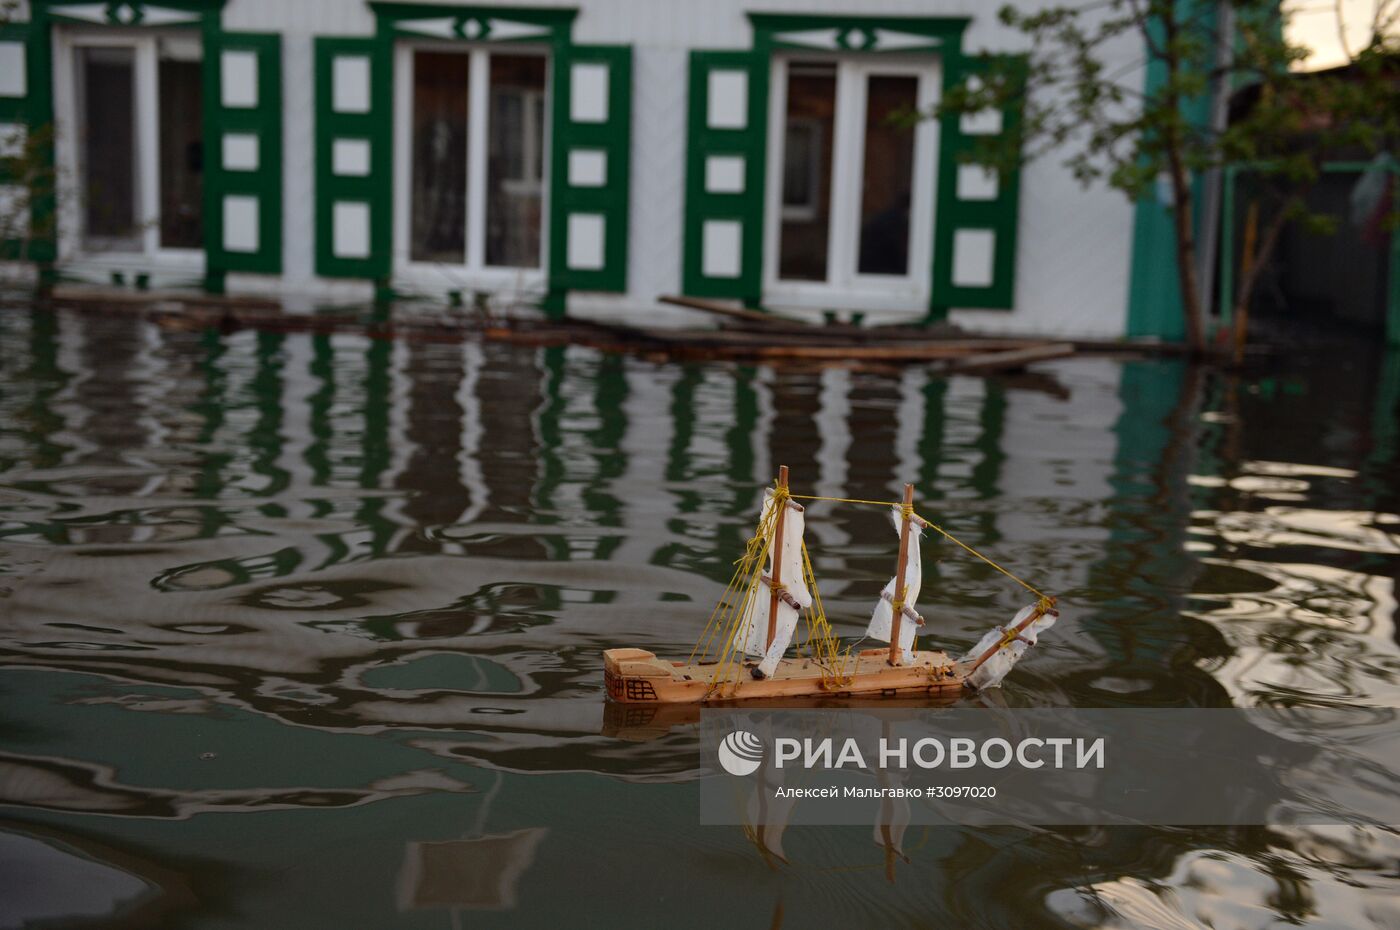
(354, 140)
(724, 186)
(243, 152)
(26, 143)
(974, 252)
(590, 176)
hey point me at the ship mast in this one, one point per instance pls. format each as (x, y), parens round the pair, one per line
(780, 499)
(903, 564)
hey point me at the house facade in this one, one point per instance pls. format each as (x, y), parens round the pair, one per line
(585, 158)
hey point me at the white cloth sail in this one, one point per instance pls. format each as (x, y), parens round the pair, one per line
(881, 620)
(990, 673)
(756, 616)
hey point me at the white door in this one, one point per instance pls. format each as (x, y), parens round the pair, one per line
(850, 183)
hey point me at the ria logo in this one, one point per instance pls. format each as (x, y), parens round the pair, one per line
(741, 753)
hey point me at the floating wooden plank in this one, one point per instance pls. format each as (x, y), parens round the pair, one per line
(719, 308)
(1012, 359)
(904, 351)
(754, 321)
(785, 341)
(816, 337)
(74, 294)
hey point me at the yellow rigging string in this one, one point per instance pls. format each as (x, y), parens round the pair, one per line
(725, 626)
(909, 512)
(721, 642)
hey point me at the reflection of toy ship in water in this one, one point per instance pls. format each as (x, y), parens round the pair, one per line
(477, 873)
(640, 723)
(758, 615)
(769, 815)
(767, 811)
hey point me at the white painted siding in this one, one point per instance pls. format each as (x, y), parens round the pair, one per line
(1074, 248)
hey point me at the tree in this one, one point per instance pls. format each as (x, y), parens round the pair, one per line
(1140, 136)
(27, 176)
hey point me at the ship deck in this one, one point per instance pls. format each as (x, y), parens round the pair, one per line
(635, 676)
(868, 662)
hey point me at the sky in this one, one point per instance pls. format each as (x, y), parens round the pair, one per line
(1314, 23)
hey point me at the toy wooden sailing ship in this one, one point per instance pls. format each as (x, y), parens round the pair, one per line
(742, 655)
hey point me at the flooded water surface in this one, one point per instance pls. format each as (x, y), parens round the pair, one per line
(306, 630)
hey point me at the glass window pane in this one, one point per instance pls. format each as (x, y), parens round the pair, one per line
(181, 154)
(887, 188)
(806, 215)
(515, 167)
(439, 196)
(108, 148)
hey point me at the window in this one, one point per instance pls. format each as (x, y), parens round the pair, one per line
(809, 128)
(476, 183)
(137, 111)
(439, 157)
(181, 91)
(887, 185)
(107, 82)
(854, 179)
(515, 197)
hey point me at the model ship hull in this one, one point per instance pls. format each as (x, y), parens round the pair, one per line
(635, 676)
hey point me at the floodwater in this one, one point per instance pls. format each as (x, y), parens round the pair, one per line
(305, 631)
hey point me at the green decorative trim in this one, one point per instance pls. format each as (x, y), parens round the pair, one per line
(746, 208)
(376, 188)
(611, 200)
(554, 303)
(34, 111)
(475, 23)
(998, 216)
(130, 13)
(896, 35)
(945, 28)
(263, 121)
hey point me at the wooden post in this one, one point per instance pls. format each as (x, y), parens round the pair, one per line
(903, 564)
(1015, 631)
(777, 560)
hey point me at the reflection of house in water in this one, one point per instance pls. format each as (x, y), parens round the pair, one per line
(293, 512)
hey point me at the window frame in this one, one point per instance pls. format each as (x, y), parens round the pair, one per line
(145, 45)
(844, 283)
(477, 273)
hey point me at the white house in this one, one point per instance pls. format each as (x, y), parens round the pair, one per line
(587, 158)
